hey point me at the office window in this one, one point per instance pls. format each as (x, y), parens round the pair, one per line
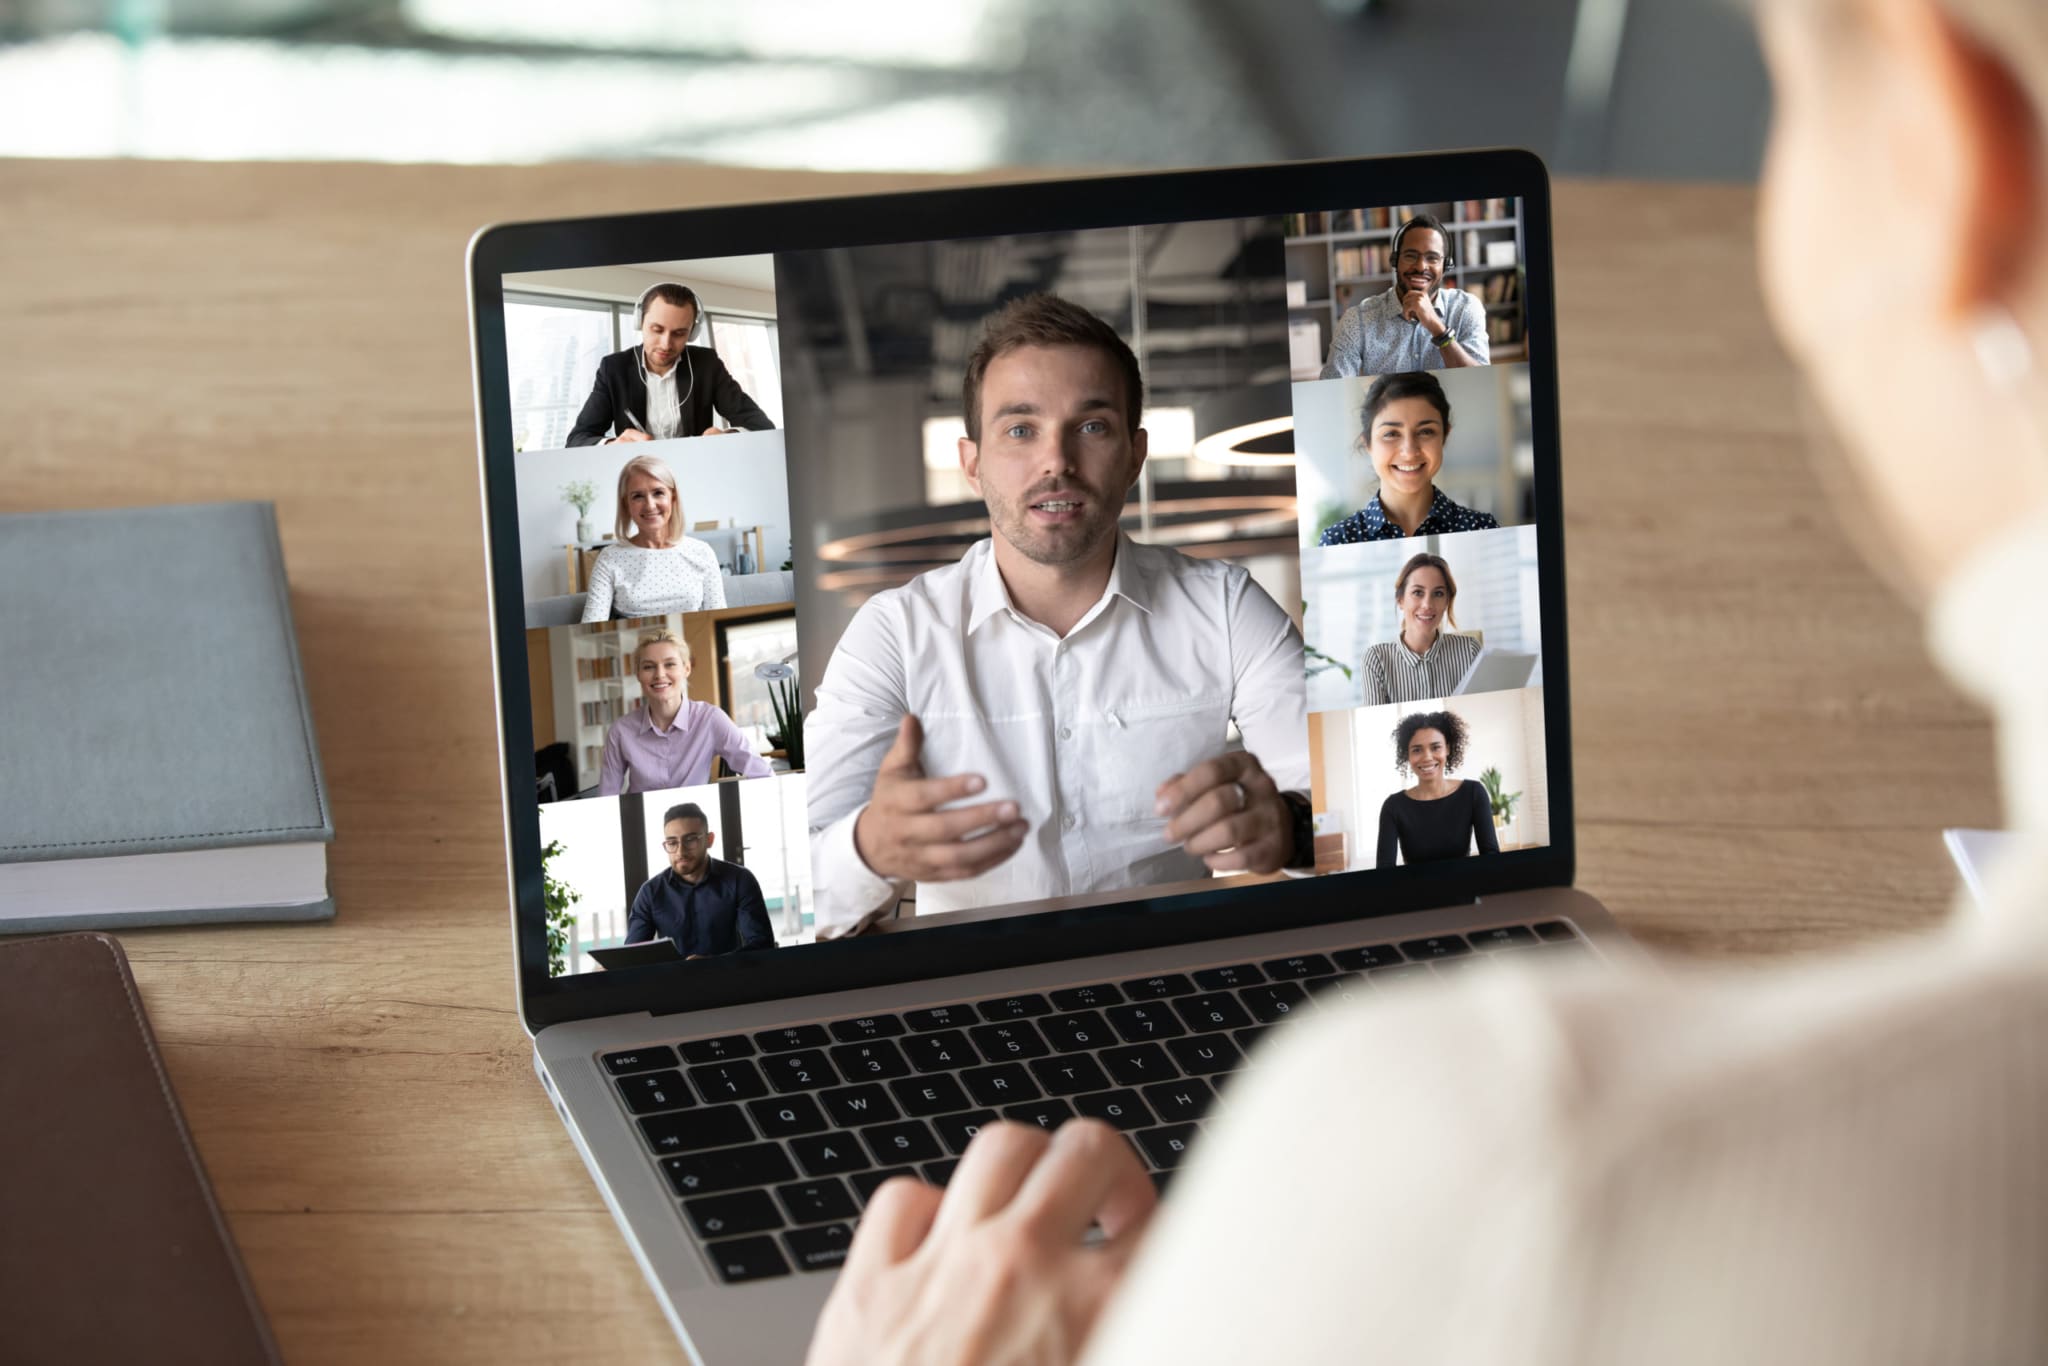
(779, 851)
(748, 348)
(746, 646)
(553, 347)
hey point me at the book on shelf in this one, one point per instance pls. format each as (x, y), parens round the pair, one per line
(199, 797)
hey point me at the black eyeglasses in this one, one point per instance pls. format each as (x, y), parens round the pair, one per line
(672, 843)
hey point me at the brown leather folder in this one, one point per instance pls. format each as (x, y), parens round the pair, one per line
(111, 1246)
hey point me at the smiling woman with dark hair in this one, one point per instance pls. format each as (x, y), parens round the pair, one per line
(1403, 425)
(1441, 816)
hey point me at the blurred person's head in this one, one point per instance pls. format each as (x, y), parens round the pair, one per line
(1903, 236)
(668, 314)
(1052, 396)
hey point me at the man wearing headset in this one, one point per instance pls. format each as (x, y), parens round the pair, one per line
(664, 387)
(1416, 324)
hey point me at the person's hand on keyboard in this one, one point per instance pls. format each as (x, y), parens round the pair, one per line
(994, 1268)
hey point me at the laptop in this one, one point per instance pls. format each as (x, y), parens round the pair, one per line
(740, 520)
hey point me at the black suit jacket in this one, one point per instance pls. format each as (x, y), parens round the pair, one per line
(618, 400)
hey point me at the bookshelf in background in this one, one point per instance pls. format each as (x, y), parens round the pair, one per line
(1335, 257)
(604, 685)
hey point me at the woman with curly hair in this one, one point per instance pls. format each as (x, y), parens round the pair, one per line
(1440, 816)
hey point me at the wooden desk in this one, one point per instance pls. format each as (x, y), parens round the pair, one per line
(1763, 756)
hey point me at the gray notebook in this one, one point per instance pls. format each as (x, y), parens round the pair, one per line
(156, 744)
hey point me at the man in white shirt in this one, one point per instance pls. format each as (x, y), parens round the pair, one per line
(1081, 685)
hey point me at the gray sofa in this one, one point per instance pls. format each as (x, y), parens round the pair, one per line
(741, 590)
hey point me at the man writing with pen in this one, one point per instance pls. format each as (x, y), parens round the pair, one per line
(1416, 324)
(664, 387)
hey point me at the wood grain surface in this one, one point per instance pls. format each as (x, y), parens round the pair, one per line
(1764, 758)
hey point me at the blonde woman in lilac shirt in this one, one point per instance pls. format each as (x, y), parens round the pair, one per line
(670, 740)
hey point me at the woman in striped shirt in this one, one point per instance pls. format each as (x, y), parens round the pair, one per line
(1425, 662)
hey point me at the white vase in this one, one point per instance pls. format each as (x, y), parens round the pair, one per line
(586, 532)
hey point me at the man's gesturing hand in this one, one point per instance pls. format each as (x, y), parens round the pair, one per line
(995, 1270)
(1416, 307)
(1230, 811)
(902, 833)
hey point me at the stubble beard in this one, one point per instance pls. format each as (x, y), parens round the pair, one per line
(1057, 545)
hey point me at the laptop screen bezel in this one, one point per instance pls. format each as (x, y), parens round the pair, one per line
(985, 211)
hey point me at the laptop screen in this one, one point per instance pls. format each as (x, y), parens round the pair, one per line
(873, 591)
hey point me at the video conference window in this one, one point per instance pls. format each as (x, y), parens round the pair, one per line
(887, 587)
(1405, 287)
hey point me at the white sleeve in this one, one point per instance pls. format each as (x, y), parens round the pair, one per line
(1269, 689)
(597, 601)
(862, 700)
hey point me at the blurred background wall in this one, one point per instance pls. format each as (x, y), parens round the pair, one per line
(1645, 88)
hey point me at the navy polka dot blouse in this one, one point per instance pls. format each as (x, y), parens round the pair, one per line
(1370, 523)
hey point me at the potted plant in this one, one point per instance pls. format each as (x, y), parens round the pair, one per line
(558, 897)
(582, 493)
(1503, 803)
(787, 734)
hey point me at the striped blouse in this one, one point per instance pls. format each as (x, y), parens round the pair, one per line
(1395, 673)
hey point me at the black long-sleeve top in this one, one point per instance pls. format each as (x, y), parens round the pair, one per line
(1444, 828)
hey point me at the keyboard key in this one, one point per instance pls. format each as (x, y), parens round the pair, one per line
(718, 1127)
(1014, 1008)
(821, 1248)
(1200, 1057)
(1223, 979)
(1046, 1114)
(1451, 967)
(1436, 946)
(957, 1131)
(803, 1070)
(1372, 956)
(1407, 972)
(1086, 998)
(875, 1061)
(1275, 1002)
(787, 1116)
(1218, 1010)
(909, 1140)
(924, 1096)
(790, 1039)
(939, 1173)
(721, 1216)
(651, 1091)
(1124, 1109)
(1166, 1146)
(1247, 1037)
(728, 1169)
(866, 1027)
(1008, 1042)
(1158, 988)
(1149, 1020)
(939, 1017)
(851, 1106)
(1072, 1033)
(828, 1154)
(724, 1048)
(1502, 937)
(865, 1184)
(1004, 1083)
(1555, 931)
(1069, 1076)
(1301, 965)
(747, 1259)
(736, 1080)
(812, 1202)
(945, 1051)
(1138, 1064)
(1174, 1101)
(639, 1060)
(1345, 986)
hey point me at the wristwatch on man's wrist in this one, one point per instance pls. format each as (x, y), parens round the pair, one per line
(1303, 823)
(1442, 340)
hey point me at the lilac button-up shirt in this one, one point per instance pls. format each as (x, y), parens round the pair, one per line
(640, 753)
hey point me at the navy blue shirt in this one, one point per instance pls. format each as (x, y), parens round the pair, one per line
(1370, 522)
(721, 914)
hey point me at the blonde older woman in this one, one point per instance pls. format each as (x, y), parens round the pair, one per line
(1829, 1163)
(652, 569)
(670, 740)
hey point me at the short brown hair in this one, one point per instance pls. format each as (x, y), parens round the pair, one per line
(1437, 562)
(1047, 320)
(672, 294)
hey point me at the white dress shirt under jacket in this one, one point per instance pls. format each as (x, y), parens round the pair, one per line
(1830, 1164)
(1078, 731)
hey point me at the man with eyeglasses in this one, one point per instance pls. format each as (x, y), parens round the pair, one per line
(705, 905)
(1416, 324)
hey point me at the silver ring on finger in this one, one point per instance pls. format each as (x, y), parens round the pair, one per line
(1244, 798)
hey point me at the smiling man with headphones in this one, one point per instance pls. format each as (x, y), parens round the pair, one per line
(1416, 324)
(664, 387)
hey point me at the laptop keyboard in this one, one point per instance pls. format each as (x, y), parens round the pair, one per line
(772, 1142)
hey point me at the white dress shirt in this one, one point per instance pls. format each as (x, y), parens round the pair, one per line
(1829, 1164)
(1079, 731)
(664, 406)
